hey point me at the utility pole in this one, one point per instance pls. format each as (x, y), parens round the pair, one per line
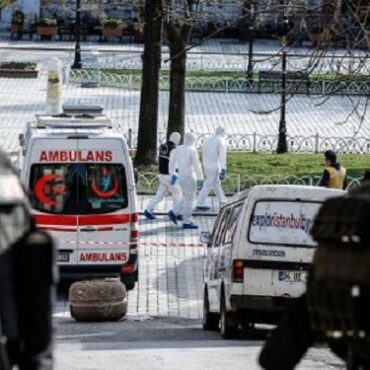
(77, 64)
(284, 27)
(282, 142)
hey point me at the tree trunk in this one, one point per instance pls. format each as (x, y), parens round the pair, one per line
(178, 39)
(148, 118)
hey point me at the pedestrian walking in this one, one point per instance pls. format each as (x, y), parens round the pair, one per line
(214, 164)
(334, 175)
(184, 164)
(166, 184)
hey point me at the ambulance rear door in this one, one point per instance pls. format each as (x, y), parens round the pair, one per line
(104, 209)
(47, 180)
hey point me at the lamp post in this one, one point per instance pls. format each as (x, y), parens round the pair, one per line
(252, 18)
(77, 64)
(282, 146)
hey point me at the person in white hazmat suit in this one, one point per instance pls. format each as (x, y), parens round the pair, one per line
(166, 185)
(184, 164)
(214, 164)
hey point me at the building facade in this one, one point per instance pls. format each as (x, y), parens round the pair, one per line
(219, 10)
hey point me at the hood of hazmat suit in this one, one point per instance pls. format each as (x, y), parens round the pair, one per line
(175, 137)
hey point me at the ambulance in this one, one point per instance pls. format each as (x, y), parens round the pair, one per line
(82, 190)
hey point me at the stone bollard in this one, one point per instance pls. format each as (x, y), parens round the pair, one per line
(98, 300)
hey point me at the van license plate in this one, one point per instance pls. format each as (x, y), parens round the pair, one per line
(292, 276)
(63, 257)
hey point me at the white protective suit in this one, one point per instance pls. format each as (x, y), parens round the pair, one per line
(165, 188)
(185, 160)
(214, 160)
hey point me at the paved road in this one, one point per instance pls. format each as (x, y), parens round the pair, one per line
(240, 114)
(163, 327)
(213, 55)
(164, 343)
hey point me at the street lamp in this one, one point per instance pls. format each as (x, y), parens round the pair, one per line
(77, 64)
(252, 19)
(285, 27)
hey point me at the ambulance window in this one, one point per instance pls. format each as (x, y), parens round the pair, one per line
(107, 188)
(78, 188)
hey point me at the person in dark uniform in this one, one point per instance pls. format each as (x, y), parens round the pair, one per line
(167, 183)
(334, 175)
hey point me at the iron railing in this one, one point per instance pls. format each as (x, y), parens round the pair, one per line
(234, 183)
(256, 143)
(227, 84)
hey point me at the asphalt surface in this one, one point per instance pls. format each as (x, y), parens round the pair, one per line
(164, 343)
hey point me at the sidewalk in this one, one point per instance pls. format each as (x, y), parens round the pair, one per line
(21, 99)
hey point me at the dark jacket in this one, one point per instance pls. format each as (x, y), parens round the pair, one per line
(164, 157)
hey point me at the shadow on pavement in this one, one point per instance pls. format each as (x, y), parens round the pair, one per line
(150, 333)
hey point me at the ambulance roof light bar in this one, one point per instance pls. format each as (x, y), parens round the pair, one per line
(72, 122)
(88, 110)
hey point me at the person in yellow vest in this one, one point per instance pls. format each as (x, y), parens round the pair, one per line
(334, 175)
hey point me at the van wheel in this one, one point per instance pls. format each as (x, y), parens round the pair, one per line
(227, 324)
(210, 319)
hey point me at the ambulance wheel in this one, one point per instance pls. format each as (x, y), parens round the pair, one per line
(210, 319)
(227, 324)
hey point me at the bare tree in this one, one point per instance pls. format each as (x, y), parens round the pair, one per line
(148, 118)
(179, 19)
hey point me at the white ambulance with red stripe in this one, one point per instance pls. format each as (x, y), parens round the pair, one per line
(82, 189)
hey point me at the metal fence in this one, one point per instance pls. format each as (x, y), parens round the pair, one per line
(217, 62)
(234, 183)
(256, 143)
(226, 84)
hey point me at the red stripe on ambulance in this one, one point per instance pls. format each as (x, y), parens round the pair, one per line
(85, 220)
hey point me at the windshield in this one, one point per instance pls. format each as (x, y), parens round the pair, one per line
(78, 188)
(283, 223)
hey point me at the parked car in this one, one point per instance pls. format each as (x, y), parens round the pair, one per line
(258, 255)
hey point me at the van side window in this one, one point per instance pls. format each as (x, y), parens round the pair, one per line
(231, 225)
(221, 227)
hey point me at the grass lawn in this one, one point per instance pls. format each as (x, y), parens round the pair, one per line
(164, 73)
(291, 164)
(235, 74)
(256, 168)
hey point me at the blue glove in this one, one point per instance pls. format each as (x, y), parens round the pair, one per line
(200, 184)
(222, 174)
(174, 179)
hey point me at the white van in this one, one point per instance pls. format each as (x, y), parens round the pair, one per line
(258, 255)
(81, 186)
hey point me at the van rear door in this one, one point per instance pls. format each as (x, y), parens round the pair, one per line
(280, 247)
(104, 221)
